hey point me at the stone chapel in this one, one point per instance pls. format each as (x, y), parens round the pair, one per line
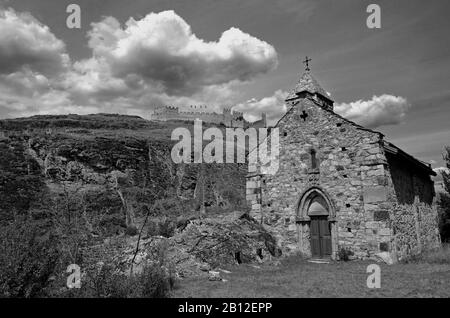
(340, 187)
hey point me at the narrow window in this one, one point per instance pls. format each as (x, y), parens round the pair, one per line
(237, 257)
(313, 159)
(259, 253)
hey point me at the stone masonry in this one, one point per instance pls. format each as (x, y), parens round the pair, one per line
(375, 197)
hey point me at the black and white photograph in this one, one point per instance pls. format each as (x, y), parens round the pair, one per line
(245, 151)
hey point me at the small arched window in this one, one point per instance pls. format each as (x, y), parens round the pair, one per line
(313, 159)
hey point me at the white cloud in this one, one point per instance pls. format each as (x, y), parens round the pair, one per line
(274, 107)
(153, 61)
(145, 63)
(378, 111)
(162, 49)
(382, 110)
(32, 61)
(25, 42)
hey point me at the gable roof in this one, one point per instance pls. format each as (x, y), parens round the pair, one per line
(335, 114)
(307, 83)
(387, 146)
(402, 155)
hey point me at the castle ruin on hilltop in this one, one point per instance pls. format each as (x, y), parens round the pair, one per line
(228, 117)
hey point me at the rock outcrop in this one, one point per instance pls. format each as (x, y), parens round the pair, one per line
(203, 245)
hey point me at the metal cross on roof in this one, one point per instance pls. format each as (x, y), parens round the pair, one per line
(306, 62)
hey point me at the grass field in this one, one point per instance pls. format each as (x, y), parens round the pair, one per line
(296, 277)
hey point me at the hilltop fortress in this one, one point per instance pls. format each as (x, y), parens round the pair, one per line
(228, 118)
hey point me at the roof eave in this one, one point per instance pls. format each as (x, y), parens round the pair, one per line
(393, 149)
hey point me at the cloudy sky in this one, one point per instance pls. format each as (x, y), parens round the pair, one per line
(130, 56)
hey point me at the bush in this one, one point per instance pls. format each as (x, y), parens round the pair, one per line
(131, 231)
(106, 282)
(444, 204)
(21, 181)
(169, 207)
(444, 217)
(28, 258)
(165, 227)
(155, 282)
(437, 256)
(152, 227)
(345, 254)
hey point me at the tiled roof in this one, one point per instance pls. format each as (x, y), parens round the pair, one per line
(307, 83)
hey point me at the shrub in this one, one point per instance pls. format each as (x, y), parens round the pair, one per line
(28, 258)
(169, 207)
(106, 282)
(345, 254)
(437, 256)
(444, 217)
(165, 227)
(152, 227)
(234, 197)
(111, 224)
(156, 283)
(21, 181)
(131, 231)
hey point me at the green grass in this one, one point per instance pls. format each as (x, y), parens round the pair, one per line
(298, 278)
(440, 256)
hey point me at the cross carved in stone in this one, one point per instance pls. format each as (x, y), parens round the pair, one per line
(304, 115)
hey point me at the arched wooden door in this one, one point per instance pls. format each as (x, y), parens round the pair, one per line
(320, 232)
(320, 228)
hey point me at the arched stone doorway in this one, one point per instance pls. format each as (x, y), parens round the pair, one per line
(316, 224)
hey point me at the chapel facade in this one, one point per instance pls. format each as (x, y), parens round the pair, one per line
(340, 187)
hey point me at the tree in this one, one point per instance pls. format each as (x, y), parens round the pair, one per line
(21, 181)
(124, 187)
(29, 256)
(29, 248)
(446, 174)
(444, 204)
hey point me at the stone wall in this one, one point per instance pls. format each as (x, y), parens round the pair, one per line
(351, 171)
(415, 228)
(409, 182)
(227, 118)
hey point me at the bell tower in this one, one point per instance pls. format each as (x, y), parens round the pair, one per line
(308, 87)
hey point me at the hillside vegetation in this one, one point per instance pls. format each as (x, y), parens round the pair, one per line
(72, 182)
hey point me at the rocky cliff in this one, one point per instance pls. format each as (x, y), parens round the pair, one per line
(94, 149)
